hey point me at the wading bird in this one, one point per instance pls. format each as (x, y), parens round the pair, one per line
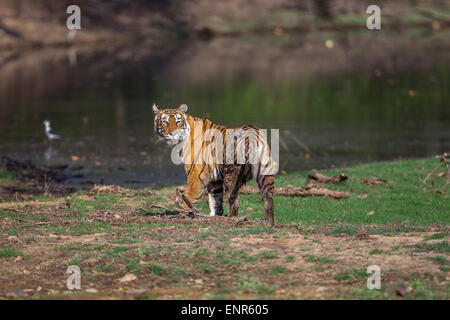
(49, 132)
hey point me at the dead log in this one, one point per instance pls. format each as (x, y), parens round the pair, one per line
(316, 178)
(299, 192)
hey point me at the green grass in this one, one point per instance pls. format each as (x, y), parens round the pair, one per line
(378, 251)
(157, 269)
(405, 199)
(8, 177)
(439, 235)
(7, 253)
(278, 269)
(267, 254)
(321, 260)
(255, 285)
(351, 275)
(438, 247)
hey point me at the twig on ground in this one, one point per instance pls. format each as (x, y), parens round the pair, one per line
(443, 160)
(158, 207)
(374, 180)
(299, 192)
(242, 219)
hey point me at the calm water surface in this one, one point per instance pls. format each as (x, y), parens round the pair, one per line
(329, 114)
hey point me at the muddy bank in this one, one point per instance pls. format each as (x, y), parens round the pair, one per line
(38, 23)
(36, 180)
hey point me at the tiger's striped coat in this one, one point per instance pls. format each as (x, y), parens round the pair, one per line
(203, 150)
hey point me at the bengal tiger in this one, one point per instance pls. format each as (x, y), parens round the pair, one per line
(214, 159)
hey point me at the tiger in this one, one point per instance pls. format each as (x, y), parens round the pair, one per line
(219, 159)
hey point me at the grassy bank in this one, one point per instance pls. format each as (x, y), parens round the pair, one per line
(403, 199)
(321, 247)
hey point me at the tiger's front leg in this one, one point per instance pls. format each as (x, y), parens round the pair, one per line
(215, 197)
(194, 190)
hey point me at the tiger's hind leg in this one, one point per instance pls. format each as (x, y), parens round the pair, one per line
(266, 186)
(215, 197)
(235, 176)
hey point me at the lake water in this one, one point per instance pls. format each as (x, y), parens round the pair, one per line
(368, 98)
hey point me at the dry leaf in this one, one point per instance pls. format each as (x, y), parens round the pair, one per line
(436, 25)
(362, 196)
(404, 289)
(278, 31)
(370, 213)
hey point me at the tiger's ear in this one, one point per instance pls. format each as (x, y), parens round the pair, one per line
(183, 108)
(155, 108)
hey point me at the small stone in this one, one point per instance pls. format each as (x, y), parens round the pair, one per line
(91, 261)
(128, 277)
(26, 272)
(38, 289)
(18, 258)
(91, 290)
(329, 44)
(28, 290)
(11, 295)
(198, 281)
(13, 238)
(136, 292)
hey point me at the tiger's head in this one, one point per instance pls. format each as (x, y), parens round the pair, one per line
(171, 124)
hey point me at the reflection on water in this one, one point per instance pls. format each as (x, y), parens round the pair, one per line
(361, 101)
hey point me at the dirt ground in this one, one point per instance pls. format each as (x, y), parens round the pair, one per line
(129, 255)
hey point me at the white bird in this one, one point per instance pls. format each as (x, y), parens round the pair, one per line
(49, 132)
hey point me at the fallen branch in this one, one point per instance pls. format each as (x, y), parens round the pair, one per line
(158, 207)
(299, 192)
(443, 160)
(242, 219)
(316, 178)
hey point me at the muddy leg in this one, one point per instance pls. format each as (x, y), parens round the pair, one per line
(266, 186)
(233, 200)
(235, 177)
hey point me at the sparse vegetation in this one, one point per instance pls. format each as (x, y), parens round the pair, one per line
(208, 257)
